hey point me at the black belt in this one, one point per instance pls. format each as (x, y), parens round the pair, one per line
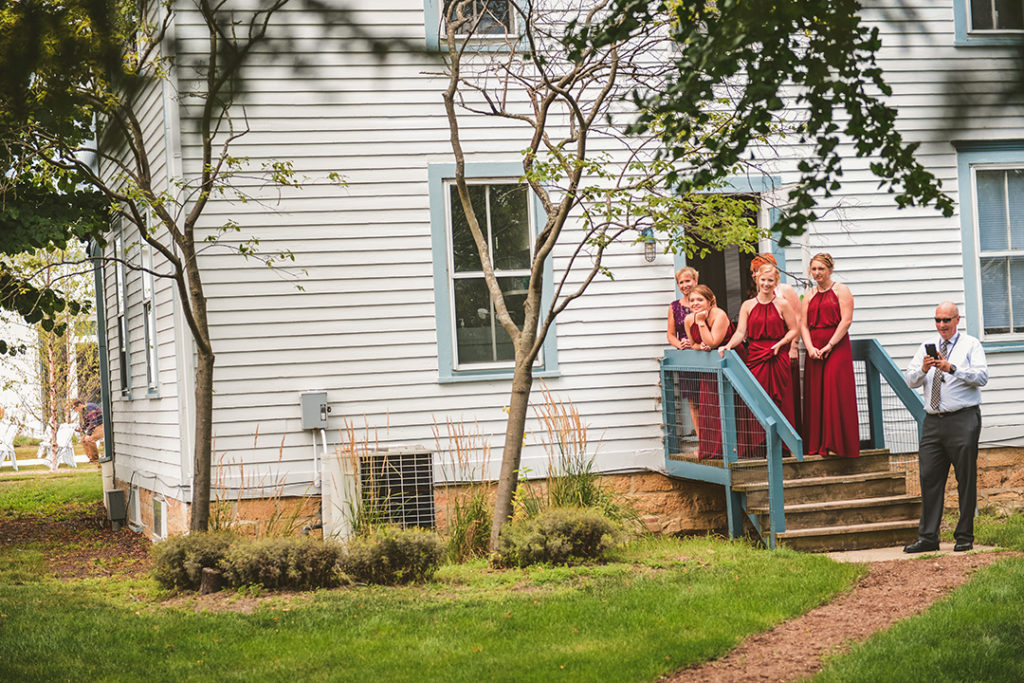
(951, 413)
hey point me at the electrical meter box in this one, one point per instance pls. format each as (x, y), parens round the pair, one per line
(314, 409)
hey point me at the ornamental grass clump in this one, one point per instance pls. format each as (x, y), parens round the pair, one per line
(392, 556)
(178, 561)
(283, 564)
(558, 536)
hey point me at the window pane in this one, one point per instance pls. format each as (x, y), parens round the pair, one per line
(1009, 14)
(1015, 188)
(995, 301)
(514, 289)
(991, 210)
(981, 14)
(473, 335)
(510, 227)
(1017, 292)
(464, 252)
(495, 17)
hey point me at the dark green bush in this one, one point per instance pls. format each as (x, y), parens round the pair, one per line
(392, 556)
(557, 536)
(178, 561)
(290, 563)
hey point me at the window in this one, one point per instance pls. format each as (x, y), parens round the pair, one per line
(991, 177)
(502, 210)
(988, 22)
(491, 23)
(472, 344)
(997, 15)
(159, 518)
(1000, 212)
(122, 318)
(149, 321)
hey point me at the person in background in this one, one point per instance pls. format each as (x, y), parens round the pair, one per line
(951, 370)
(768, 323)
(707, 326)
(90, 416)
(830, 423)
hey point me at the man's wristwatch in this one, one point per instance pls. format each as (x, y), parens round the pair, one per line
(952, 369)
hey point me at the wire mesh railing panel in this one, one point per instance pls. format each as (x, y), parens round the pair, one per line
(700, 427)
(898, 424)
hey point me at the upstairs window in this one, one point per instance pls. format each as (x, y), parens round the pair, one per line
(1000, 220)
(997, 15)
(488, 17)
(502, 210)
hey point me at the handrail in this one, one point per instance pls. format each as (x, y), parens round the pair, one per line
(735, 375)
(777, 430)
(878, 365)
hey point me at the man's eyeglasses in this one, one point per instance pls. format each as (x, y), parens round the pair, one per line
(944, 320)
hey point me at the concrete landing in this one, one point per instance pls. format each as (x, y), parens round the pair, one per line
(896, 553)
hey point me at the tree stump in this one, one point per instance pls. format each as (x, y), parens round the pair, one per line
(211, 581)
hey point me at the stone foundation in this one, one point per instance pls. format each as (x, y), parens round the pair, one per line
(175, 510)
(1000, 480)
(665, 505)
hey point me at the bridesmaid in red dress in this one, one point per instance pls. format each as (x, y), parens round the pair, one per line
(830, 393)
(768, 323)
(707, 326)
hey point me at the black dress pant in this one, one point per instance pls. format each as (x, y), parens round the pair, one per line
(950, 439)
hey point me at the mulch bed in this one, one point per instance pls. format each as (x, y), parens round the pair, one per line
(81, 545)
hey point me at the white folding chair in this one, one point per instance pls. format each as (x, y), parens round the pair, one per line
(7, 435)
(65, 449)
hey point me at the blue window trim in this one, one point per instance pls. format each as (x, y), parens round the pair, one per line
(747, 185)
(970, 154)
(963, 37)
(432, 25)
(437, 174)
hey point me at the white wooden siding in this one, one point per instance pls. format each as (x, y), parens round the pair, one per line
(364, 329)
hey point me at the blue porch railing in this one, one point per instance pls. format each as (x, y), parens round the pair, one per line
(736, 383)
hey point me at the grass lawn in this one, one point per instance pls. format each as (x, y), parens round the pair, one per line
(975, 634)
(36, 491)
(661, 604)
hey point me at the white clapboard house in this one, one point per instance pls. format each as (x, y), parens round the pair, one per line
(399, 345)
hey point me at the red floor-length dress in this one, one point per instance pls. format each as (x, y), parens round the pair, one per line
(830, 392)
(765, 327)
(709, 421)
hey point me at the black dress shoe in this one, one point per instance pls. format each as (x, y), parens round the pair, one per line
(963, 547)
(921, 546)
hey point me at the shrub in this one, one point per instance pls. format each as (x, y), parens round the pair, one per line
(297, 563)
(178, 561)
(392, 556)
(557, 536)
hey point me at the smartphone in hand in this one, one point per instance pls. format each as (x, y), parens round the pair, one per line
(931, 351)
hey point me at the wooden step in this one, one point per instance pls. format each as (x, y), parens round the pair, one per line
(747, 471)
(850, 537)
(846, 512)
(818, 489)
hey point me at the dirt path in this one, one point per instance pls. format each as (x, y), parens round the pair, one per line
(892, 590)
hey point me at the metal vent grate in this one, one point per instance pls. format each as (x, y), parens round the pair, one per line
(399, 487)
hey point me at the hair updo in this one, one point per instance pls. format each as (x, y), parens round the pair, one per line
(825, 259)
(767, 268)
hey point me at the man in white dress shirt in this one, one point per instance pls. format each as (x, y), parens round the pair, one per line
(952, 381)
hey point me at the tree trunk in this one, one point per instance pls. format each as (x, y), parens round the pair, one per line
(519, 402)
(204, 437)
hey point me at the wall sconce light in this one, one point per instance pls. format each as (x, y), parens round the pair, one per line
(650, 245)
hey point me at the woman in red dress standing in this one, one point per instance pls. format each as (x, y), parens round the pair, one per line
(768, 323)
(707, 326)
(830, 393)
